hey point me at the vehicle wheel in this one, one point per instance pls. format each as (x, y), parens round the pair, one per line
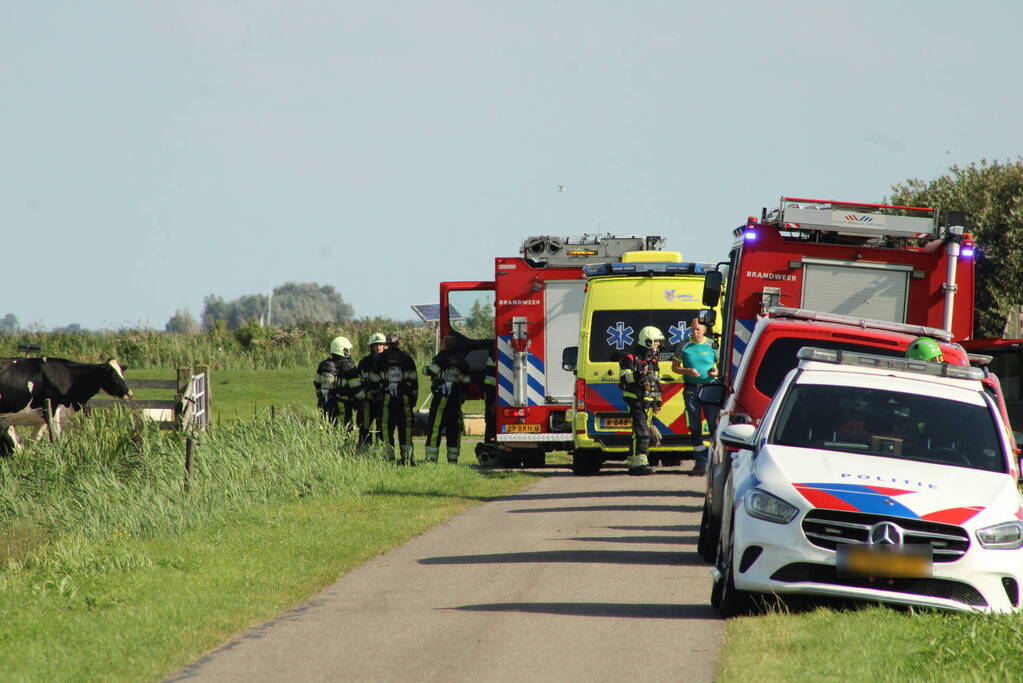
(485, 455)
(707, 545)
(732, 602)
(671, 462)
(585, 462)
(534, 459)
(504, 460)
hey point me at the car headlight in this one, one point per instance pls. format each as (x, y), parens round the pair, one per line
(763, 505)
(1008, 535)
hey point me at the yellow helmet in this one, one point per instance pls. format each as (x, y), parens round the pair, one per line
(377, 338)
(341, 346)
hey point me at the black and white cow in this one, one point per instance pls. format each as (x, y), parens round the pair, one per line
(26, 383)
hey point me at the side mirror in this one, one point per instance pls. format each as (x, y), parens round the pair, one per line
(707, 317)
(738, 436)
(712, 288)
(570, 358)
(740, 419)
(714, 394)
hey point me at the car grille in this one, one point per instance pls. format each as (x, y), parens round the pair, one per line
(935, 588)
(828, 528)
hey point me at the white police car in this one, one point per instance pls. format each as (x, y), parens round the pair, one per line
(873, 478)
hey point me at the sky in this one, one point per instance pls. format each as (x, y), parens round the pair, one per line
(155, 153)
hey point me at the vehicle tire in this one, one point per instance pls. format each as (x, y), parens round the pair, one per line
(732, 602)
(671, 462)
(485, 455)
(585, 462)
(534, 459)
(707, 545)
(504, 460)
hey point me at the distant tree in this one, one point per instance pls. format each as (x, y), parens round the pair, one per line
(480, 323)
(9, 324)
(992, 196)
(293, 303)
(73, 328)
(182, 322)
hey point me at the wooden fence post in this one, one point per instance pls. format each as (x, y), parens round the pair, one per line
(184, 378)
(188, 464)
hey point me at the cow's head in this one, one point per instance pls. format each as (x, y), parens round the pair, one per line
(113, 381)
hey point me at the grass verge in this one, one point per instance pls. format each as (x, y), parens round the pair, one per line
(873, 643)
(108, 570)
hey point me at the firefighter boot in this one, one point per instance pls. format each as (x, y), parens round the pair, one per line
(453, 452)
(638, 464)
(406, 456)
(431, 453)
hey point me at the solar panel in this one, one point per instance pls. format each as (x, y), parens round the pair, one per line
(430, 313)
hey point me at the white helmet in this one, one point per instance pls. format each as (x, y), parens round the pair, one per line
(341, 346)
(648, 335)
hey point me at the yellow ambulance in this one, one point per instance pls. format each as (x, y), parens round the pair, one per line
(647, 288)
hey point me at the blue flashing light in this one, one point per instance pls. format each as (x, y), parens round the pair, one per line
(749, 235)
(967, 252)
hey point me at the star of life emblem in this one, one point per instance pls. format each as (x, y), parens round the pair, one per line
(619, 336)
(678, 333)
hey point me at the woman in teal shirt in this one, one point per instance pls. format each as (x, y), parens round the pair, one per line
(696, 361)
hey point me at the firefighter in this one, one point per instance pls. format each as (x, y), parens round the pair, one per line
(370, 427)
(394, 372)
(449, 381)
(639, 378)
(925, 348)
(338, 384)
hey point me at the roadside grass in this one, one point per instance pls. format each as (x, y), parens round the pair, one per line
(109, 570)
(872, 643)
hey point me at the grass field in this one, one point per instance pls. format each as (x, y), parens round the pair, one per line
(108, 569)
(873, 643)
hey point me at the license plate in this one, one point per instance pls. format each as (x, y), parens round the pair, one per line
(519, 429)
(625, 422)
(885, 561)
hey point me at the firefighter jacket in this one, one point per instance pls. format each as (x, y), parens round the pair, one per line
(639, 376)
(337, 379)
(374, 392)
(394, 372)
(449, 374)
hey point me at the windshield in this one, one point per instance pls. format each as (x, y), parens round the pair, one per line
(615, 332)
(780, 357)
(889, 424)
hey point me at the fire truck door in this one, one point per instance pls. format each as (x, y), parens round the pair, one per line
(866, 290)
(563, 309)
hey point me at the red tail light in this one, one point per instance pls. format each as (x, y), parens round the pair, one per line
(580, 394)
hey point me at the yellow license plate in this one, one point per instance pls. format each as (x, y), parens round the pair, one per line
(625, 422)
(885, 562)
(519, 429)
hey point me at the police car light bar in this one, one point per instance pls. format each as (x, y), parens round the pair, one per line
(869, 360)
(804, 314)
(643, 268)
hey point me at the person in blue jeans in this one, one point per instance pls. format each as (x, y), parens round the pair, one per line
(696, 360)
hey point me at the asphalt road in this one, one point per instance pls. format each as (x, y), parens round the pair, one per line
(573, 579)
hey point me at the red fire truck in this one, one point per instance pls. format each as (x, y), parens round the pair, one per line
(538, 299)
(874, 261)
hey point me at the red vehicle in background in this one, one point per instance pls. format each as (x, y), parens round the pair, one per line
(836, 275)
(537, 310)
(1004, 357)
